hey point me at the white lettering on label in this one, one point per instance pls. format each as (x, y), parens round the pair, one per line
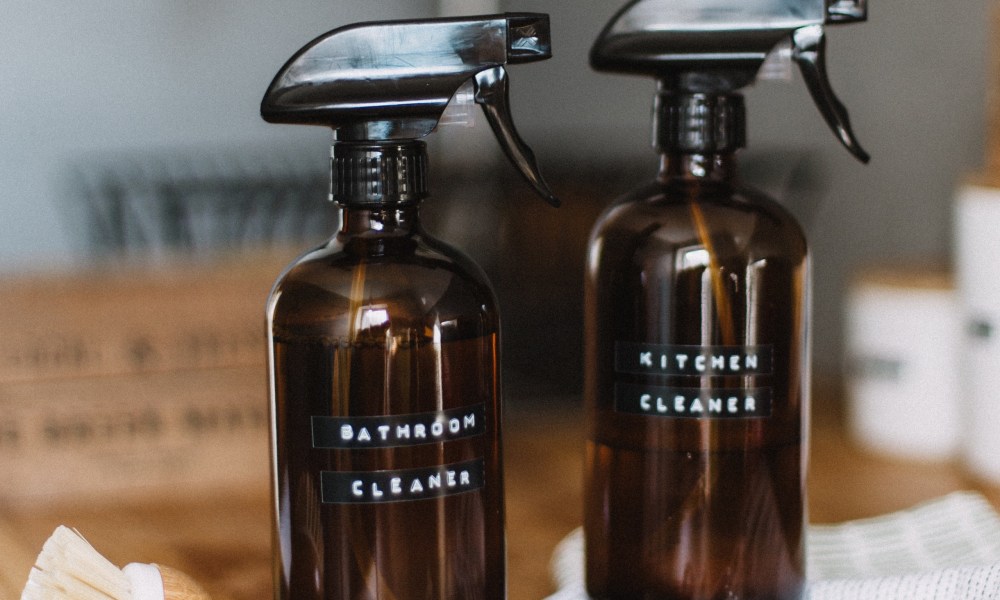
(701, 363)
(415, 484)
(418, 486)
(695, 405)
(405, 431)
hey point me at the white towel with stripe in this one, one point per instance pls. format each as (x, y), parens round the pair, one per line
(946, 549)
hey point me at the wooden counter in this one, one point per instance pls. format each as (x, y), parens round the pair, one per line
(224, 542)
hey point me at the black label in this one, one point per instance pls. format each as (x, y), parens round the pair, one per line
(376, 487)
(693, 403)
(661, 359)
(399, 430)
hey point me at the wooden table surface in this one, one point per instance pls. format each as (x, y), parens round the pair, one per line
(224, 542)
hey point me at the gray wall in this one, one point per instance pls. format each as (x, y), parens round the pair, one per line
(79, 78)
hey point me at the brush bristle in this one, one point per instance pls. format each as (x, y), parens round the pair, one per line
(68, 568)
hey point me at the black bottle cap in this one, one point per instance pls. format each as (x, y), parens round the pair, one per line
(699, 123)
(379, 172)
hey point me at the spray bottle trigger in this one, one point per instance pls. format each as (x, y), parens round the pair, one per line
(809, 51)
(492, 93)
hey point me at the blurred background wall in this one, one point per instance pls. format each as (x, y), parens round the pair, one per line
(89, 86)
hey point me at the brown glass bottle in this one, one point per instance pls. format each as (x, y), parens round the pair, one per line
(386, 410)
(696, 387)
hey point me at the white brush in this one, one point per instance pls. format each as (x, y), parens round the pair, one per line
(68, 568)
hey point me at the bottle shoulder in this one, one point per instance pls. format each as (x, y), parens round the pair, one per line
(682, 215)
(335, 289)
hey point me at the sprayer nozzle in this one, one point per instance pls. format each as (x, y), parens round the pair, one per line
(528, 38)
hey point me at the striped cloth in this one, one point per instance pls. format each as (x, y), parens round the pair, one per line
(946, 549)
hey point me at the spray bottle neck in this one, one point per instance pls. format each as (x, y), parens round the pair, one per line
(705, 168)
(371, 227)
(379, 174)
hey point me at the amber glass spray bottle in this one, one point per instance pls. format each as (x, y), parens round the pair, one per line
(696, 355)
(384, 342)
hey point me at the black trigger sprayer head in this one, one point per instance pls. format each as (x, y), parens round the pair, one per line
(718, 46)
(390, 82)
